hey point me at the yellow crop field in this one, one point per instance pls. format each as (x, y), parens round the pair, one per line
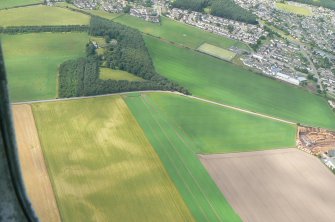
(102, 166)
(217, 52)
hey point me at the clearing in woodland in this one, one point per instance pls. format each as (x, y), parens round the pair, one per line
(102, 166)
(32, 62)
(33, 166)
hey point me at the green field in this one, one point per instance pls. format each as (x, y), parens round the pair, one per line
(215, 129)
(106, 73)
(102, 166)
(100, 13)
(41, 15)
(178, 32)
(175, 149)
(216, 52)
(32, 61)
(14, 3)
(223, 82)
(300, 10)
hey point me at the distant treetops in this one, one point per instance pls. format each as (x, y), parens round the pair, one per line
(125, 50)
(221, 8)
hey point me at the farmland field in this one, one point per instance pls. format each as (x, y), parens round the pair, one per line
(200, 193)
(217, 52)
(13, 3)
(178, 32)
(106, 73)
(215, 129)
(277, 185)
(41, 15)
(102, 166)
(223, 82)
(100, 13)
(32, 61)
(34, 169)
(300, 10)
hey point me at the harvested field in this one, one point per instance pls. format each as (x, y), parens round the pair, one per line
(217, 52)
(277, 185)
(34, 170)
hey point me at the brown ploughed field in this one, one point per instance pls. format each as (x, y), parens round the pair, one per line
(276, 185)
(33, 166)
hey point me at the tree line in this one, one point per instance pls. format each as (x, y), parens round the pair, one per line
(221, 8)
(126, 51)
(50, 28)
(324, 3)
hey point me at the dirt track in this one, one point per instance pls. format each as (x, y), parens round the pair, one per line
(34, 170)
(277, 185)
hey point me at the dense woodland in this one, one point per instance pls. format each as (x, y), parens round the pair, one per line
(126, 51)
(222, 8)
(324, 3)
(32, 29)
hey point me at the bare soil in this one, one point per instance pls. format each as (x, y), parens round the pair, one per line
(276, 185)
(33, 166)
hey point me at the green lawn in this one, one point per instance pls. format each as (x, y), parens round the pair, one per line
(106, 73)
(41, 15)
(32, 62)
(102, 166)
(176, 150)
(178, 32)
(223, 82)
(215, 129)
(13, 3)
(217, 51)
(300, 10)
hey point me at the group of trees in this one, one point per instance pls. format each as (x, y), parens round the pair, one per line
(222, 8)
(50, 28)
(126, 51)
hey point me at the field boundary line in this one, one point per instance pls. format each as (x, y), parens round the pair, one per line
(51, 179)
(168, 92)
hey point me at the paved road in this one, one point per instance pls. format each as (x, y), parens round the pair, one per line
(176, 93)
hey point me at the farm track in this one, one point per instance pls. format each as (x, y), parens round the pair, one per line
(159, 91)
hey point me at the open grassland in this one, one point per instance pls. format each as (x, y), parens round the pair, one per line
(41, 15)
(33, 167)
(113, 74)
(223, 82)
(14, 3)
(276, 185)
(102, 165)
(217, 52)
(176, 151)
(178, 32)
(101, 13)
(300, 10)
(32, 62)
(215, 129)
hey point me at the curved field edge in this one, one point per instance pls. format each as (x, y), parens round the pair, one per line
(227, 83)
(102, 166)
(175, 149)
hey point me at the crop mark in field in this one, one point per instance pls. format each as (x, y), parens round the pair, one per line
(33, 166)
